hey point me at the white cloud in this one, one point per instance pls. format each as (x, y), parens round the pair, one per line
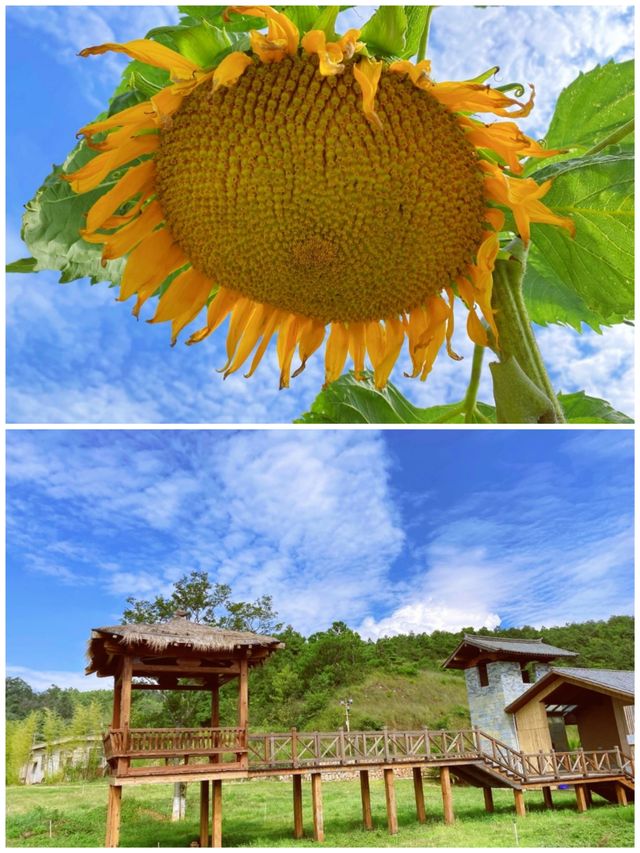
(426, 617)
(42, 679)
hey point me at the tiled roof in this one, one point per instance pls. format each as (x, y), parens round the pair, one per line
(516, 646)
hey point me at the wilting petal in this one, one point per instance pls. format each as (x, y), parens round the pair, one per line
(152, 53)
(367, 72)
(231, 69)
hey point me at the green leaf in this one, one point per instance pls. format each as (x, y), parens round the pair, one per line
(23, 265)
(550, 300)
(597, 266)
(326, 21)
(416, 21)
(349, 401)
(593, 106)
(304, 17)
(201, 44)
(384, 33)
(581, 409)
(53, 219)
(216, 15)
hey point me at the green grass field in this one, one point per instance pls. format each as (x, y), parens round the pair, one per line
(259, 814)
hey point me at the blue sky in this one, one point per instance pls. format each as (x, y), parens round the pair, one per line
(390, 531)
(75, 355)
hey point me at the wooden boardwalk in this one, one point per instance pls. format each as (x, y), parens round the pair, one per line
(212, 755)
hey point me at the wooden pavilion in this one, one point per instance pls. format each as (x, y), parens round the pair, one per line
(175, 655)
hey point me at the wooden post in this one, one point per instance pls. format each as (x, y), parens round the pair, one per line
(546, 795)
(390, 797)
(125, 710)
(518, 797)
(488, 799)
(365, 795)
(419, 792)
(447, 799)
(204, 814)
(113, 816)
(316, 803)
(588, 796)
(621, 794)
(298, 825)
(581, 799)
(215, 757)
(117, 700)
(243, 707)
(216, 813)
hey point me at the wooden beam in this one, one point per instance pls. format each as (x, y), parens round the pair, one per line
(298, 823)
(488, 800)
(447, 799)
(204, 814)
(191, 672)
(113, 816)
(621, 794)
(390, 797)
(365, 795)
(181, 687)
(518, 797)
(316, 804)
(547, 797)
(216, 813)
(581, 798)
(419, 793)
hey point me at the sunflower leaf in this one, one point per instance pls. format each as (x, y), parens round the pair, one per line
(304, 17)
(593, 106)
(349, 401)
(326, 21)
(385, 32)
(597, 266)
(216, 15)
(581, 409)
(416, 21)
(201, 44)
(23, 265)
(53, 219)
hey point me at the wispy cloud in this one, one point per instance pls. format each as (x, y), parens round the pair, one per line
(43, 679)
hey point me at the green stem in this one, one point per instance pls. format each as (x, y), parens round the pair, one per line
(516, 338)
(424, 38)
(614, 137)
(469, 402)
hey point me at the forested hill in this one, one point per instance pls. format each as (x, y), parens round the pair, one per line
(395, 681)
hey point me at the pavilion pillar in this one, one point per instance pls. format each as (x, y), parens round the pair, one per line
(419, 793)
(243, 710)
(581, 798)
(447, 798)
(390, 797)
(547, 797)
(621, 794)
(588, 796)
(204, 814)
(518, 797)
(215, 758)
(298, 823)
(113, 816)
(117, 701)
(365, 795)
(125, 680)
(488, 800)
(216, 813)
(316, 804)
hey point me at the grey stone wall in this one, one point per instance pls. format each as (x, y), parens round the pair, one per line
(487, 704)
(541, 669)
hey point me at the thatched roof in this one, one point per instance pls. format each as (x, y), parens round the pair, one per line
(172, 637)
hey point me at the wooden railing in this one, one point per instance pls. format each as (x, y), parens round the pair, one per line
(232, 747)
(173, 743)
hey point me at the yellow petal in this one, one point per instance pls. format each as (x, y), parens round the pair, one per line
(419, 73)
(220, 306)
(375, 340)
(476, 331)
(476, 98)
(132, 115)
(254, 329)
(286, 346)
(357, 347)
(311, 338)
(139, 179)
(89, 176)
(280, 26)
(118, 244)
(349, 43)
(275, 318)
(231, 69)
(188, 291)
(148, 261)
(394, 339)
(240, 314)
(450, 322)
(367, 72)
(336, 352)
(152, 53)
(315, 42)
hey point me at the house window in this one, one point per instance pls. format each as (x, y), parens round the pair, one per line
(483, 675)
(526, 673)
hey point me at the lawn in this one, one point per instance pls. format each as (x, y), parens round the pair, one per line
(259, 814)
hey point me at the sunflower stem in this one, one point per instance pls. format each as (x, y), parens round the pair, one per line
(424, 38)
(614, 137)
(516, 338)
(469, 402)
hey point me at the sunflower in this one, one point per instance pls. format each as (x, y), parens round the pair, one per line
(305, 190)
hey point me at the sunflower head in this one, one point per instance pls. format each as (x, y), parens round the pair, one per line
(303, 190)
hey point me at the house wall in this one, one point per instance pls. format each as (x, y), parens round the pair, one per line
(598, 726)
(533, 728)
(624, 724)
(45, 763)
